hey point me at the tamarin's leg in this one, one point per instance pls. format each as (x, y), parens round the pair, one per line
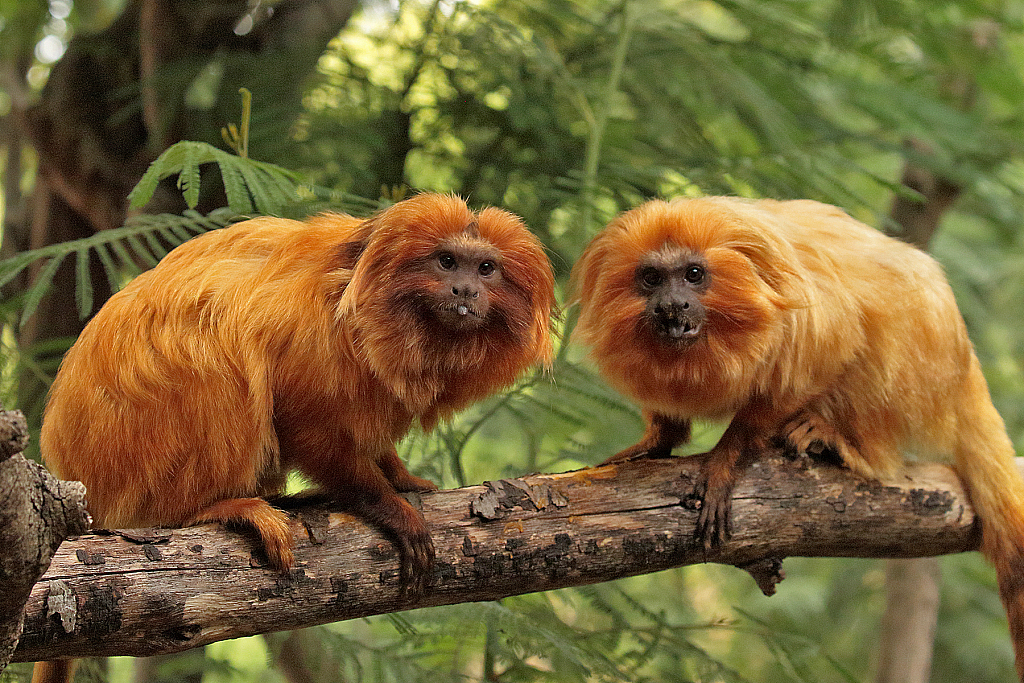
(662, 435)
(395, 472)
(360, 485)
(745, 438)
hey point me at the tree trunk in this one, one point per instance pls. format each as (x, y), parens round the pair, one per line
(908, 625)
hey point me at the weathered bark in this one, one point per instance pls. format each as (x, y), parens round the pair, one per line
(37, 512)
(151, 592)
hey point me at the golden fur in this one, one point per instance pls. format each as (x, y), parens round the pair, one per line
(820, 330)
(275, 345)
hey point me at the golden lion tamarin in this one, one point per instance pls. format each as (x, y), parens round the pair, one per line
(275, 345)
(805, 326)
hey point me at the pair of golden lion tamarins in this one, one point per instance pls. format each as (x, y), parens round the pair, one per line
(277, 345)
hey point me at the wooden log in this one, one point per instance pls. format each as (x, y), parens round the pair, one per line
(158, 591)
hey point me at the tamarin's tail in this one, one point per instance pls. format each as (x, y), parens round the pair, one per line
(269, 523)
(57, 671)
(986, 462)
(1004, 548)
(1010, 573)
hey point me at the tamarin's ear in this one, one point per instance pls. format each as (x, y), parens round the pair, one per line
(351, 252)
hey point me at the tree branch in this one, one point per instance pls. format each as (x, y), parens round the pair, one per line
(158, 591)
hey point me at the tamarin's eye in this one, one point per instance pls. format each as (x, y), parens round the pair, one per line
(694, 274)
(447, 261)
(486, 268)
(651, 277)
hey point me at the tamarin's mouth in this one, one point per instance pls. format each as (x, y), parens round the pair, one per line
(683, 330)
(462, 310)
(459, 314)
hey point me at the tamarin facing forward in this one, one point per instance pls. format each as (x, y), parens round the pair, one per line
(806, 326)
(275, 345)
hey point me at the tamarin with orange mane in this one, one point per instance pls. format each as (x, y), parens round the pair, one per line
(276, 345)
(808, 327)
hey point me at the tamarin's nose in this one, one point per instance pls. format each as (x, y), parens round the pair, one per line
(669, 311)
(465, 291)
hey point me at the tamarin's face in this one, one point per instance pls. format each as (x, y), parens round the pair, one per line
(464, 271)
(437, 284)
(672, 281)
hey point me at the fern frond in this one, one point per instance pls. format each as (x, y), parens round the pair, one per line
(41, 285)
(83, 283)
(9, 268)
(141, 250)
(108, 265)
(142, 239)
(250, 185)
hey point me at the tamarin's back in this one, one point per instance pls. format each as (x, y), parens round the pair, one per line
(879, 320)
(275, 344)
(186, 344)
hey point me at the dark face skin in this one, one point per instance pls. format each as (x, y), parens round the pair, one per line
(672, 281)
(466, 270)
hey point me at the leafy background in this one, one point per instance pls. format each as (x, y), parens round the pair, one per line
(567, 113)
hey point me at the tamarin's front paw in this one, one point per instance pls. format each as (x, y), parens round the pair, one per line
(409, 532)
(714, 521)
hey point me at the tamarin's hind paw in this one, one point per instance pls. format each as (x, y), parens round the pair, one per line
(640, 451)
(269, 523)
(634, 452)
(809, 434)
(410, 484)
(416, 554)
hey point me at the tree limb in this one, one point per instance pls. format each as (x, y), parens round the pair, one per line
(37, 512)
(158, 591)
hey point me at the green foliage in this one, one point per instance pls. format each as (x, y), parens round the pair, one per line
(607, 632)
(250, 186)
(567, 420)
(123, 252)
